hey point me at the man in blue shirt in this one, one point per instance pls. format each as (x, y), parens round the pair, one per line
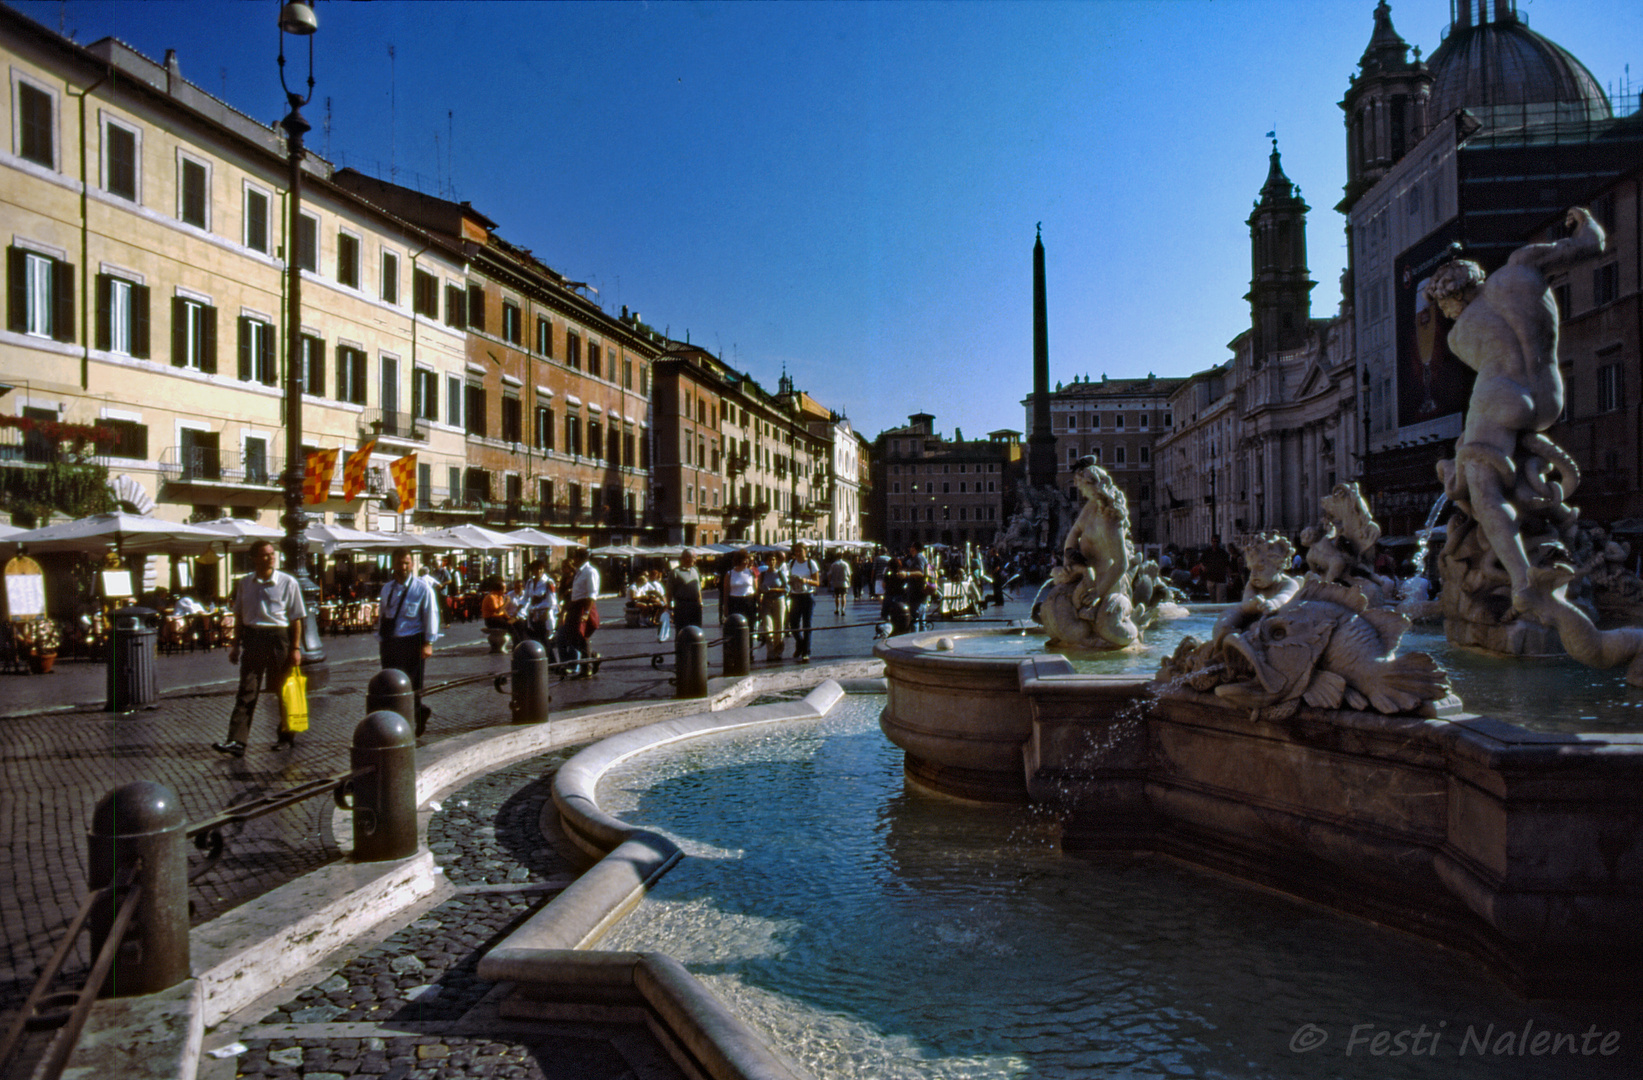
(409, 627)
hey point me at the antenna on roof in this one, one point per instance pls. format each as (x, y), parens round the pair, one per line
(392, 72)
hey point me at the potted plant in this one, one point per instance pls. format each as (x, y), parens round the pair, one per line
(39, 639)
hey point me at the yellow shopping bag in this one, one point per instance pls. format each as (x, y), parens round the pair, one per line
(294, 702)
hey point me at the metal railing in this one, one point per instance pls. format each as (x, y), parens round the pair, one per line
(392, 424)
(197, 464)
(207, 834)
(66, 1011)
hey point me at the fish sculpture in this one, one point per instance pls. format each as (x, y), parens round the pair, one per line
(1326, 647)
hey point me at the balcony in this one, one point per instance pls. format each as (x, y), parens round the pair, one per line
(211, 465)
(392, 424)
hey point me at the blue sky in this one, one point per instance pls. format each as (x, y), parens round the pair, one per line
(850, 189)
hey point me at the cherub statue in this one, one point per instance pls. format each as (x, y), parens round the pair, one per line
(1266, 555)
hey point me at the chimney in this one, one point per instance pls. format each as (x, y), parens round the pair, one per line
(173, 72)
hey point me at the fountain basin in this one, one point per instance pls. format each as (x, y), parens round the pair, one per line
(1522, 847)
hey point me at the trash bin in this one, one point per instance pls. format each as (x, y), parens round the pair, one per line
(133, 677)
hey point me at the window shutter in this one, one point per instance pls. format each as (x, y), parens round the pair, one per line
(359, 378)
(314, 360)
(476, 307)
(105, 298)
(208, 335)
(179, 332)
(245, 349)
(455, 315)
(139, 321)
(342, 373)
(17, 294)
(269, 376)
(62, 301)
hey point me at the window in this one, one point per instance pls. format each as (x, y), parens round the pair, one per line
(513, 489)
(424, 394)
(193, 335)
(126, 439)
(36, 139)
(544, 336)
(453, 400)
(593, 359)
(41, 295)
(1146, 455)
(348, 260)
(512, 324)
(627, 373)
(122, 316)
(1610, 390)
(350, 374)
(313, 365)
(1095, 422)
(120, 161)
(476, 307)
(1169, 421)
(256, 460)
(544, 428)
(473, 400)
(513, 424)
(454, 480)
(256, 351)
(573, 433)
(388, 393)
(424, 485)
(573, 351)
(544, 496)
(192, 200)
(596, 441)
(1118, 455)
(1606, 284)
(644, 380)
(456, 306)
(308, 243)
(1118, 422)
(256, 220)
(425, 294)
(390, 280)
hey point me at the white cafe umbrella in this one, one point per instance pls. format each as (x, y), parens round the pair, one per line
(483, 539)
(536, 538)
(330, 539)
(126, 533)
(237, 534)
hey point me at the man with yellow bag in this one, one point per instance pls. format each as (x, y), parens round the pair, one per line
(268, 614)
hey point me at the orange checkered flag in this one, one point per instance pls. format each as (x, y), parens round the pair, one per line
(353, 471)
(403, 470)
(316, 483)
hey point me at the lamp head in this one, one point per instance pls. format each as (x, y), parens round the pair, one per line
(298, 18)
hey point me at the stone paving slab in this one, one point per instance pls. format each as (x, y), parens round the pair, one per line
(412, 1005)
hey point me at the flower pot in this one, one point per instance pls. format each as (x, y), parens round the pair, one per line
(42, 663)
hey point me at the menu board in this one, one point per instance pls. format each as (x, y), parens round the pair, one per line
(116, 584)
(25, 588)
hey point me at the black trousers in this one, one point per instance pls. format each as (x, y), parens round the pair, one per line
(801, 608)
(265, 658)
(405, 654)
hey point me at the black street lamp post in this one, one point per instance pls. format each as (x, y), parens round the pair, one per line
(298, 18)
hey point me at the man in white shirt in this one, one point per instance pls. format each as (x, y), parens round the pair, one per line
(268, 614)
(581, 615)
(409, 607)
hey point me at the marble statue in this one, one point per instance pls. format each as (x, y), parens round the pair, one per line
(1101, 596)
(1327, 647)
(1267, 557)
(1508, 547)
(1341, 547)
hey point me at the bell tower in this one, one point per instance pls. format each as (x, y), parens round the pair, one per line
(1280, 286)
(1385, 106)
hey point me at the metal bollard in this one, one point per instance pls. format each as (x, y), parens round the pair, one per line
(142, 822)
(390, 689)
(532, 685)
(738, 645)
(384, 800)
(901, 619)
(690, 663)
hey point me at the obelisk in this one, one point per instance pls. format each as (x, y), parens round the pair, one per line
(1041, 443)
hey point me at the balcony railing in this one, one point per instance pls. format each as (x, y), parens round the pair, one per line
(211, 465)
(392, 424)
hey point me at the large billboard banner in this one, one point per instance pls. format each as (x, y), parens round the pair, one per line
(1431, 381)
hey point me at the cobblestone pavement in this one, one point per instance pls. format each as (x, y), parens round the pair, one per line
(412, 1005)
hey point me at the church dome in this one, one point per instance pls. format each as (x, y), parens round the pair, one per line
(1499, 66)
